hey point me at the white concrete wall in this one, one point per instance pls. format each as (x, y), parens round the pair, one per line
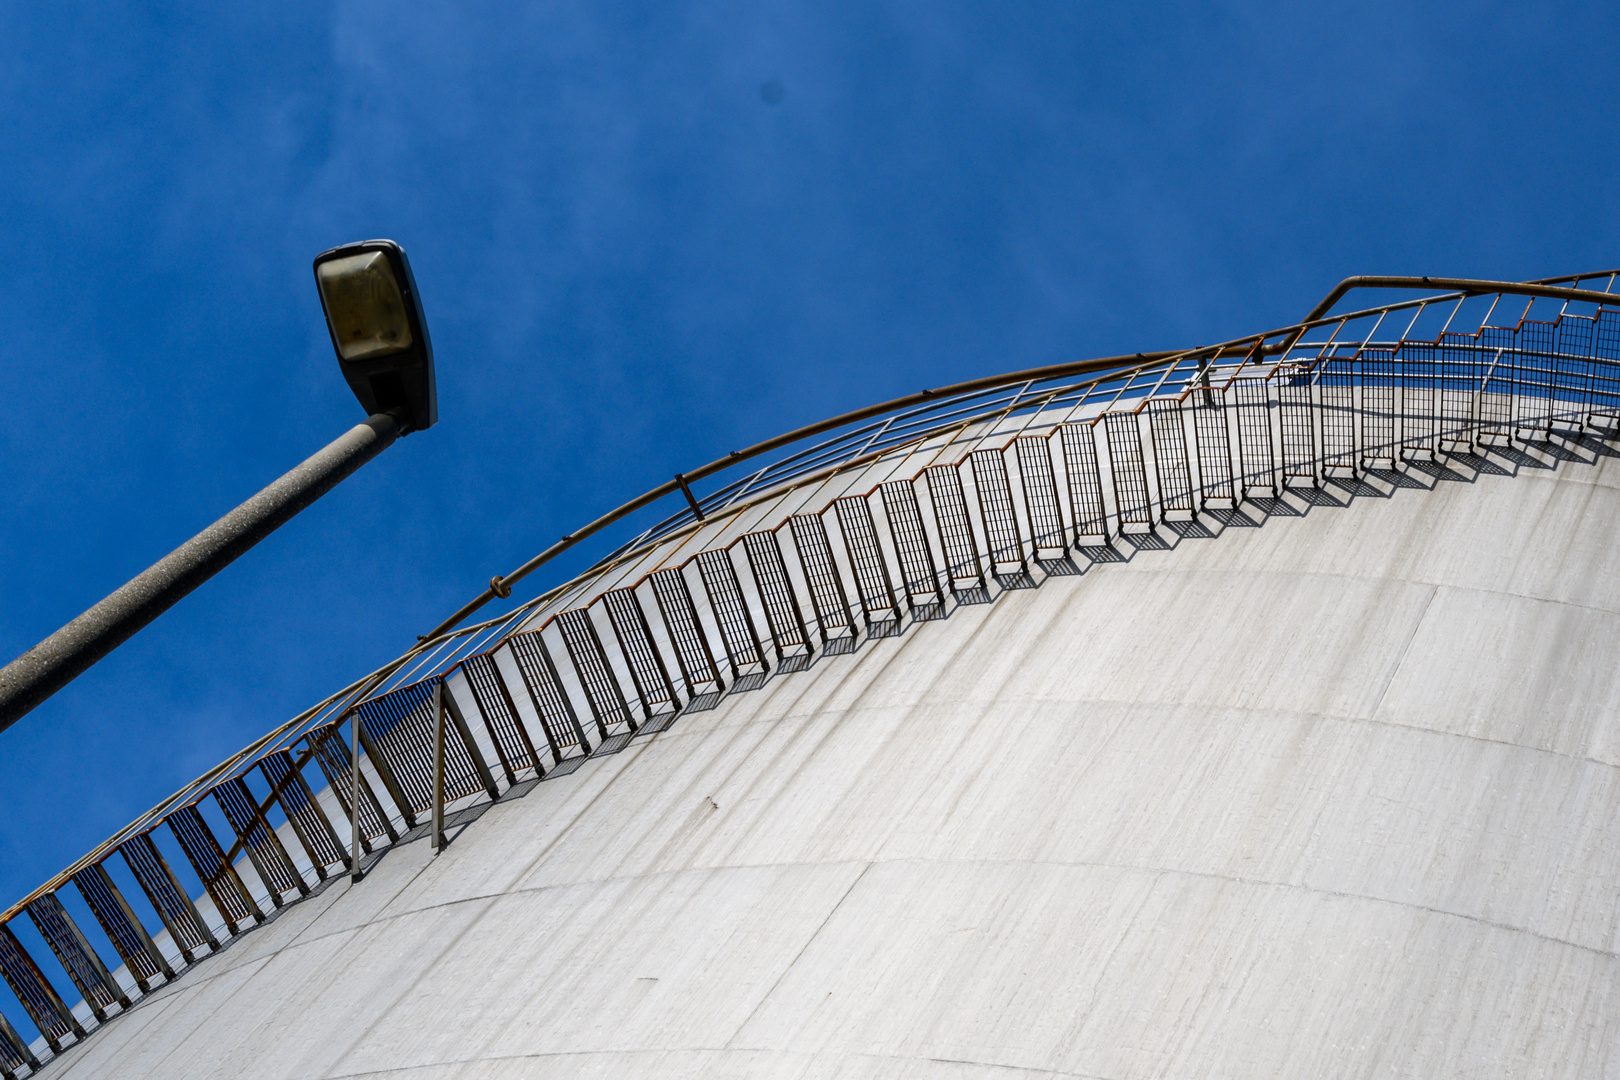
(1332, 797)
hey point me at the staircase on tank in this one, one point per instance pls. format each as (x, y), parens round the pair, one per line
(1052, 485)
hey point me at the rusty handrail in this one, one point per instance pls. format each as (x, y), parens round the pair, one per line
(1547, 288)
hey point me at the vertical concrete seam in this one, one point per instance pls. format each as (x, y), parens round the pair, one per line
(766, 996)
(1406, 649)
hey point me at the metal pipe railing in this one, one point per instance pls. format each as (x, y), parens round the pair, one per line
(953, 424)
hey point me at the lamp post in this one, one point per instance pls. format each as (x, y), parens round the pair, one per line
(375, 318)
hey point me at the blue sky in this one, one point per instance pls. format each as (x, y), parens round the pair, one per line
(634, 258)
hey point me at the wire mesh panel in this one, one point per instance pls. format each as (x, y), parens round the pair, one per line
(398, 732)
(1252, 402)
(821, 574)
(916, 555)
(1214, 444)
(602, 691)
(1419, 386)
(1496, 381)
(1574, 381)
(37, 996)
(782, 611)
(647, 672)
(1536, 375)
(550, 700)
(1039, 482)
(692, 652)
(871, 569)
(263, 846)
(310, 823)
(14, 1053)
(332, 755)
(129, 938)
(963, 564)
(1295, 417)
(1336, 386)
(230, 896)
(730, 607)
(1002, 533)
(1170, 460)
(74, 953)
(507, 732)
(1459, 375)
(1379, 426)
(1606, 365)
(84, 968)
(1126, 463)
(1085, 483)
(178, 914)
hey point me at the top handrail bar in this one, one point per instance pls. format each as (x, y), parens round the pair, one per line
(1466, 286)
(501, 584)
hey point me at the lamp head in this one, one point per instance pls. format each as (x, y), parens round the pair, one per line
(375, 317)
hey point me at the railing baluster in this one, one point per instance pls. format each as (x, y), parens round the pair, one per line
(1536, 375)
(264, 849)
(731, 614)
(782, 610)
(129, 938)
(1295, 414)
(602, 691)
(1211, 432)
(14, 1053)
(1606, 365)
(86, 970)
(332, 755)
(1458, 375)
(168, 897)
(693, 655)
(826, 584)
(999, 513)
(1039, 484)
(1253, 407)
(37, 996)
(225, 888)
(964, 565)
(1418, 394)
(918, 573)
(872, 580)
(1171, 464)
(313, 828)
(647, 671)
(397, 733)
(1125, 462)
(1085, 483)
(548, 695)
(507, 732)
(1575, 334)
(1337, 387)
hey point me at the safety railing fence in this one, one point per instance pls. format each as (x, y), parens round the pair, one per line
(888, 523)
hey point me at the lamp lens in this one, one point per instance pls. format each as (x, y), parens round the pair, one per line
(364, 306)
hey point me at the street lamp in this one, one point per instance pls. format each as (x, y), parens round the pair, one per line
(375, 318)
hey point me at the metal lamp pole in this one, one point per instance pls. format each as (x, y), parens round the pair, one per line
(62, 657)
(375, 319)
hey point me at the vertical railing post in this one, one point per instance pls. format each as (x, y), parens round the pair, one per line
(437, 842)
(354, 795)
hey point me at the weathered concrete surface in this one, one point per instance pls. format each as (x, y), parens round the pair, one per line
(1333, 797)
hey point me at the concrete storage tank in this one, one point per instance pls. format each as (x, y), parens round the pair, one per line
(1242, 712)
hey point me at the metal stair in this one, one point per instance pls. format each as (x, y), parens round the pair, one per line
(905, 513)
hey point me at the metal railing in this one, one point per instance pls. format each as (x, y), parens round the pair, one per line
(854, 527)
